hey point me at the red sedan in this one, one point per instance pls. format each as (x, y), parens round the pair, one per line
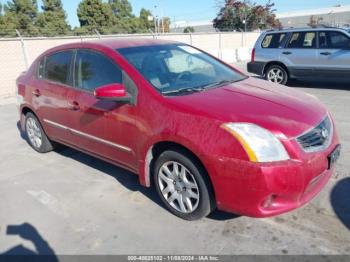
(200, 131)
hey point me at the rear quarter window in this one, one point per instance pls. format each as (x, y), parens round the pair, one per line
(273, 40)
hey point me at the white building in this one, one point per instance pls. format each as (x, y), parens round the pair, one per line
(338, 16)
(198, 26)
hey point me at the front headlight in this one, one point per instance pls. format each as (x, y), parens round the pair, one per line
(260, 144)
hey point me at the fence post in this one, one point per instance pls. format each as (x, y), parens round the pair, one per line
(97, 33)
(154, 36)
(220, 46)
(24, 50)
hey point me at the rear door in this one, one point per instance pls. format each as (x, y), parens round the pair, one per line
(53, 82)
(271, 47)
(300, 53)
(333, 54)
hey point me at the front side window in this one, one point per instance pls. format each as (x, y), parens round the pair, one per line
(334, 40)
(93, 70)
(179, 69)
(302, 40)
(273, 40)
(57, 67)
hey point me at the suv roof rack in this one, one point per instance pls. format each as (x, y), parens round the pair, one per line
(322, 26)
(302, 28)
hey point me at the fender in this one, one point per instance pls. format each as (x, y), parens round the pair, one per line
(146, 154)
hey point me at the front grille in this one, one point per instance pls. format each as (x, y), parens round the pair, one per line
(318, 138)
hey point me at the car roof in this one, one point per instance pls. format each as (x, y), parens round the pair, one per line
(131, 42)
(305, 29)
(111, 43)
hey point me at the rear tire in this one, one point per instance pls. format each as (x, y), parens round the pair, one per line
(277, 74)
(183, 186)
(35, 134)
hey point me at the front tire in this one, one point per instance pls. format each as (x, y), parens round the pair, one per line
(183, 186)
(35, 134)
(277, 74)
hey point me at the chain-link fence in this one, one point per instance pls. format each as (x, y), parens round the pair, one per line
(16, 54)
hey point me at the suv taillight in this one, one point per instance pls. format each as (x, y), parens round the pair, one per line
(253, 55)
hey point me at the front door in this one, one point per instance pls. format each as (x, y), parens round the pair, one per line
(93, 117)
(334, 54)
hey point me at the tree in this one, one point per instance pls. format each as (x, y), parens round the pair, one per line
(94, 15)
(166, 21)
(314, 21)
(145, 23)
(21, 15)
(189, 29)
(121, 8)
(124, 20)
(2, 25)
(243, 15)
(52, 21)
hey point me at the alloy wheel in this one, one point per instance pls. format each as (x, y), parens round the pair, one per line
(34, 132)
(178, 187)
(275, 75)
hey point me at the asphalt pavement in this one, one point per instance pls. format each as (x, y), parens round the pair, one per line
(66, 202)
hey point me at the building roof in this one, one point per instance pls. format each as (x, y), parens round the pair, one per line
(319, 11)
(180, 24)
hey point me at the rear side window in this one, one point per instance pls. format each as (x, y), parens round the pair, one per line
(93, 70)
(302, 40)
(57, 67)
(334, 40)
(273, 40)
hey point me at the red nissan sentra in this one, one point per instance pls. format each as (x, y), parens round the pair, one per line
(200, 131)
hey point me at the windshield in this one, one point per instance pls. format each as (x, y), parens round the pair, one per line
(179, 69)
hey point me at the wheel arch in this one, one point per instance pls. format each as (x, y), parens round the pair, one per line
(159, 147)
(271, 63)
(25, 110)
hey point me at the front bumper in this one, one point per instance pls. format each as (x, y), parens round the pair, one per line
(263, 190)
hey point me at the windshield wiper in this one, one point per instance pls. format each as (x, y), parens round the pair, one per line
(184, 90)
(198, 89)
(217, 84)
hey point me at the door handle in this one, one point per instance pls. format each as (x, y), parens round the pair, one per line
(74, 106)
(36, 93)
(325, 53)
(287, 53)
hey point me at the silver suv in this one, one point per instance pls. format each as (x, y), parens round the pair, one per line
(280, 55)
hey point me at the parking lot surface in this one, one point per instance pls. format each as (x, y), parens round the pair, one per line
(76, 204)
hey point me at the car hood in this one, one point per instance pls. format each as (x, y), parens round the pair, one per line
(285, 111)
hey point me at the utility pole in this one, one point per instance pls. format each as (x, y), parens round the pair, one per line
(162, 14)
(155, 19)
(245, 15)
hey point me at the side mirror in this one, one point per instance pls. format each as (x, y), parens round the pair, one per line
(113, 92)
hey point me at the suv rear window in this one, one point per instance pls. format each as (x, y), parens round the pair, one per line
(302, 40)
(273, 40)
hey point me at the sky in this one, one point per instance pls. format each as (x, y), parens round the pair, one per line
(180, 10)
